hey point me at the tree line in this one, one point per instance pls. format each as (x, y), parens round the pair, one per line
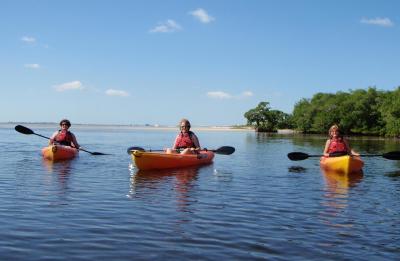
(361, 112)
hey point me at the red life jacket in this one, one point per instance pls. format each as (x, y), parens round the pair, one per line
(64, 138)
(337, 145)
(184, 140)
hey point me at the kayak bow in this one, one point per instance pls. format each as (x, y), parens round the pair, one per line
(59, 152)
(343, 164)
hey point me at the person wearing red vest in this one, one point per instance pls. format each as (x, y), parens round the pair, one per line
(186, 140)
(64, 136)
(337, 143)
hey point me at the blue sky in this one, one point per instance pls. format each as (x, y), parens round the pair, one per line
(139, 62)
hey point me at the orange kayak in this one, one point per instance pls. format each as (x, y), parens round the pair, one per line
(161, 160)
(59, 152)
(342, 164)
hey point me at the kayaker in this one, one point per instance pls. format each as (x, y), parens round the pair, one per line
(64, 136)
(337, 143)
(186, 140)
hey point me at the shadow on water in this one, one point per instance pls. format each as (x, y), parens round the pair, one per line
(393, 174)
(297, 169)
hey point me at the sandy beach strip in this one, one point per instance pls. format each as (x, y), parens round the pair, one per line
(34, 125)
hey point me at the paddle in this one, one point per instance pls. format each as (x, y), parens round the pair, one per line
(393, 155)
(224, 150)
(27, 131)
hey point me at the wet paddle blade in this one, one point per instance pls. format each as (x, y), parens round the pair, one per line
(393, 155)
(224, 150)
(130, 149)
(23, 130)
(297, 156)
(98, 153)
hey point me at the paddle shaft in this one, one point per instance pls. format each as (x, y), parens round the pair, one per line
(372, 155)
(225, 150)
(27, 131)
(392, 155)
(41, 136)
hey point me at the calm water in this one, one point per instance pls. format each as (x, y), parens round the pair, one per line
(253, 204)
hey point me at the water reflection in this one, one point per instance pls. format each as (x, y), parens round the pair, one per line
(61, 169)
(336, 197)
(181, 180)
(338, 184)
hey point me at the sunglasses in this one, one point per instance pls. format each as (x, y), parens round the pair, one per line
(185, 126)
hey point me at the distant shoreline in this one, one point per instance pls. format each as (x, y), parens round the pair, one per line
(148, 127)
(53, 125)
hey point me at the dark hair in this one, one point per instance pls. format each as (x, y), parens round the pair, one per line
(186, 121)
(66, 122)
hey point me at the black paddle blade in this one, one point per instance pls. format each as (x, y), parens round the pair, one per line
(130, 149)
(297, 156)
(23, 129)
(225, 150)
(98, 153)
(393, 155)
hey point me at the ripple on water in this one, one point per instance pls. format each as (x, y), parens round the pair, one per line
(253, 204)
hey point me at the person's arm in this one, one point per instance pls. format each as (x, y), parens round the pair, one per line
(354, 153)
(350, 151)
(328, 142)
(175, 145)
(74, 141)
(346, 142)
(196, 141)
(51, 141)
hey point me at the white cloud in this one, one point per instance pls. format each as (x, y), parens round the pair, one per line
(225, 95)
(219, 95)
(386, 22)
(167, 27)
(247, 94)
(113, 92)
(75, 85)
(32, 65)
(28, 39)
(201, 15)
